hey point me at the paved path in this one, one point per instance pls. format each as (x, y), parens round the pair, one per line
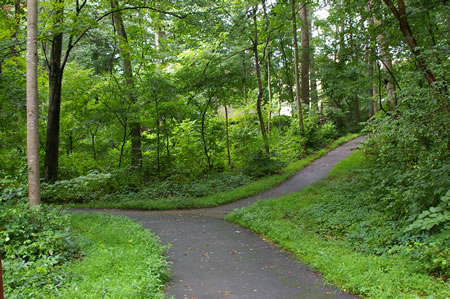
(216, 259)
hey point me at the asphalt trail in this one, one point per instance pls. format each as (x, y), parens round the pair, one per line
(216, 259)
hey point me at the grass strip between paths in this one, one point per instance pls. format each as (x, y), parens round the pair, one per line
(367, 275)
(218, 199)
(122, 260)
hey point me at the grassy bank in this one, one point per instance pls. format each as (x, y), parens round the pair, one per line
(324, 226)
(121, 260)
(143, 202)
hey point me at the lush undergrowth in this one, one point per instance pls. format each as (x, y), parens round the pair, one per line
(341, 229)
(102, 191)
(121, 260)
(47, 253)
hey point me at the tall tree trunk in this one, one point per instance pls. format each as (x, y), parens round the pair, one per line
(135, 125)
(297, 79)
(269, 88)
(227, 135)
(305, 53)
(312, 70)
(400, 15)
(32, 106)
(258, 77)
(55, 76)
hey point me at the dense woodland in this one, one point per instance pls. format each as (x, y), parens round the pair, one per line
(174, 100)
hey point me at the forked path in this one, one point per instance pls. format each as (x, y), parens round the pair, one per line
(216, 259)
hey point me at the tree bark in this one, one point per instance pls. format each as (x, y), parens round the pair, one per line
(258, 77)
(400, 15)
(297, 79)
(305, 53)
(312, 70)
(32, 105)
(269, 88)
(205, 147)
(55, 75)
(1, 280)
(135, 125)
(227, 135)
(357, 114)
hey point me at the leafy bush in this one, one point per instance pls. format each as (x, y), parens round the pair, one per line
(34, 242)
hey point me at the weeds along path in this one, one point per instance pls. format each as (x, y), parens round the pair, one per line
(216, 259)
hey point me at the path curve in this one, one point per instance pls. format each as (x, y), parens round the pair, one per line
(216, 259)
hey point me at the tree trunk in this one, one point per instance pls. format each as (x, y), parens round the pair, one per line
(312, 70)
(55, 75)
(269, 88)
(205, 147)
(297, 79)
(356, 104)
(1, 280)
(93, 146)
(258, 77)
(32, 106)
(400, 15)
(305, 53)
(158, 138)
(135, 125)
(227, 135)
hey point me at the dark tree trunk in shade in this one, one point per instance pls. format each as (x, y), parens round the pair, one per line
(258, 77)
(55, 76)
(297, 79)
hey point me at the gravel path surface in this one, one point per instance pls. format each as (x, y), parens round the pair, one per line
(216, 259)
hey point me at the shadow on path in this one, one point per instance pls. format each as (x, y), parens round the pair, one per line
(216, 259)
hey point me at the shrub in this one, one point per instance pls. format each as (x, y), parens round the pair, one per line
(33, 243)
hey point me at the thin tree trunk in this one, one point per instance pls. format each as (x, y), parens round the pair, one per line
(124, 141)
(135, 125)
(32, 106)
(305, 53)
(205, 147)
(227, 135)
(297, 79)
(158, 151)
(93, 146)
(357, 114)
(1, 280)
(244, 80)
(258, 77)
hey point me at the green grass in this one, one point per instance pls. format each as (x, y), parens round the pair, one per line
(218, 199)
(121, 260)
(286, 221)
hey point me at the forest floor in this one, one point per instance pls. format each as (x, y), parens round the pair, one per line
(216, 259)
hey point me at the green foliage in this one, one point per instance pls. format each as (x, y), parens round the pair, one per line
(121, 260)
(179, 192)
(34, 244)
